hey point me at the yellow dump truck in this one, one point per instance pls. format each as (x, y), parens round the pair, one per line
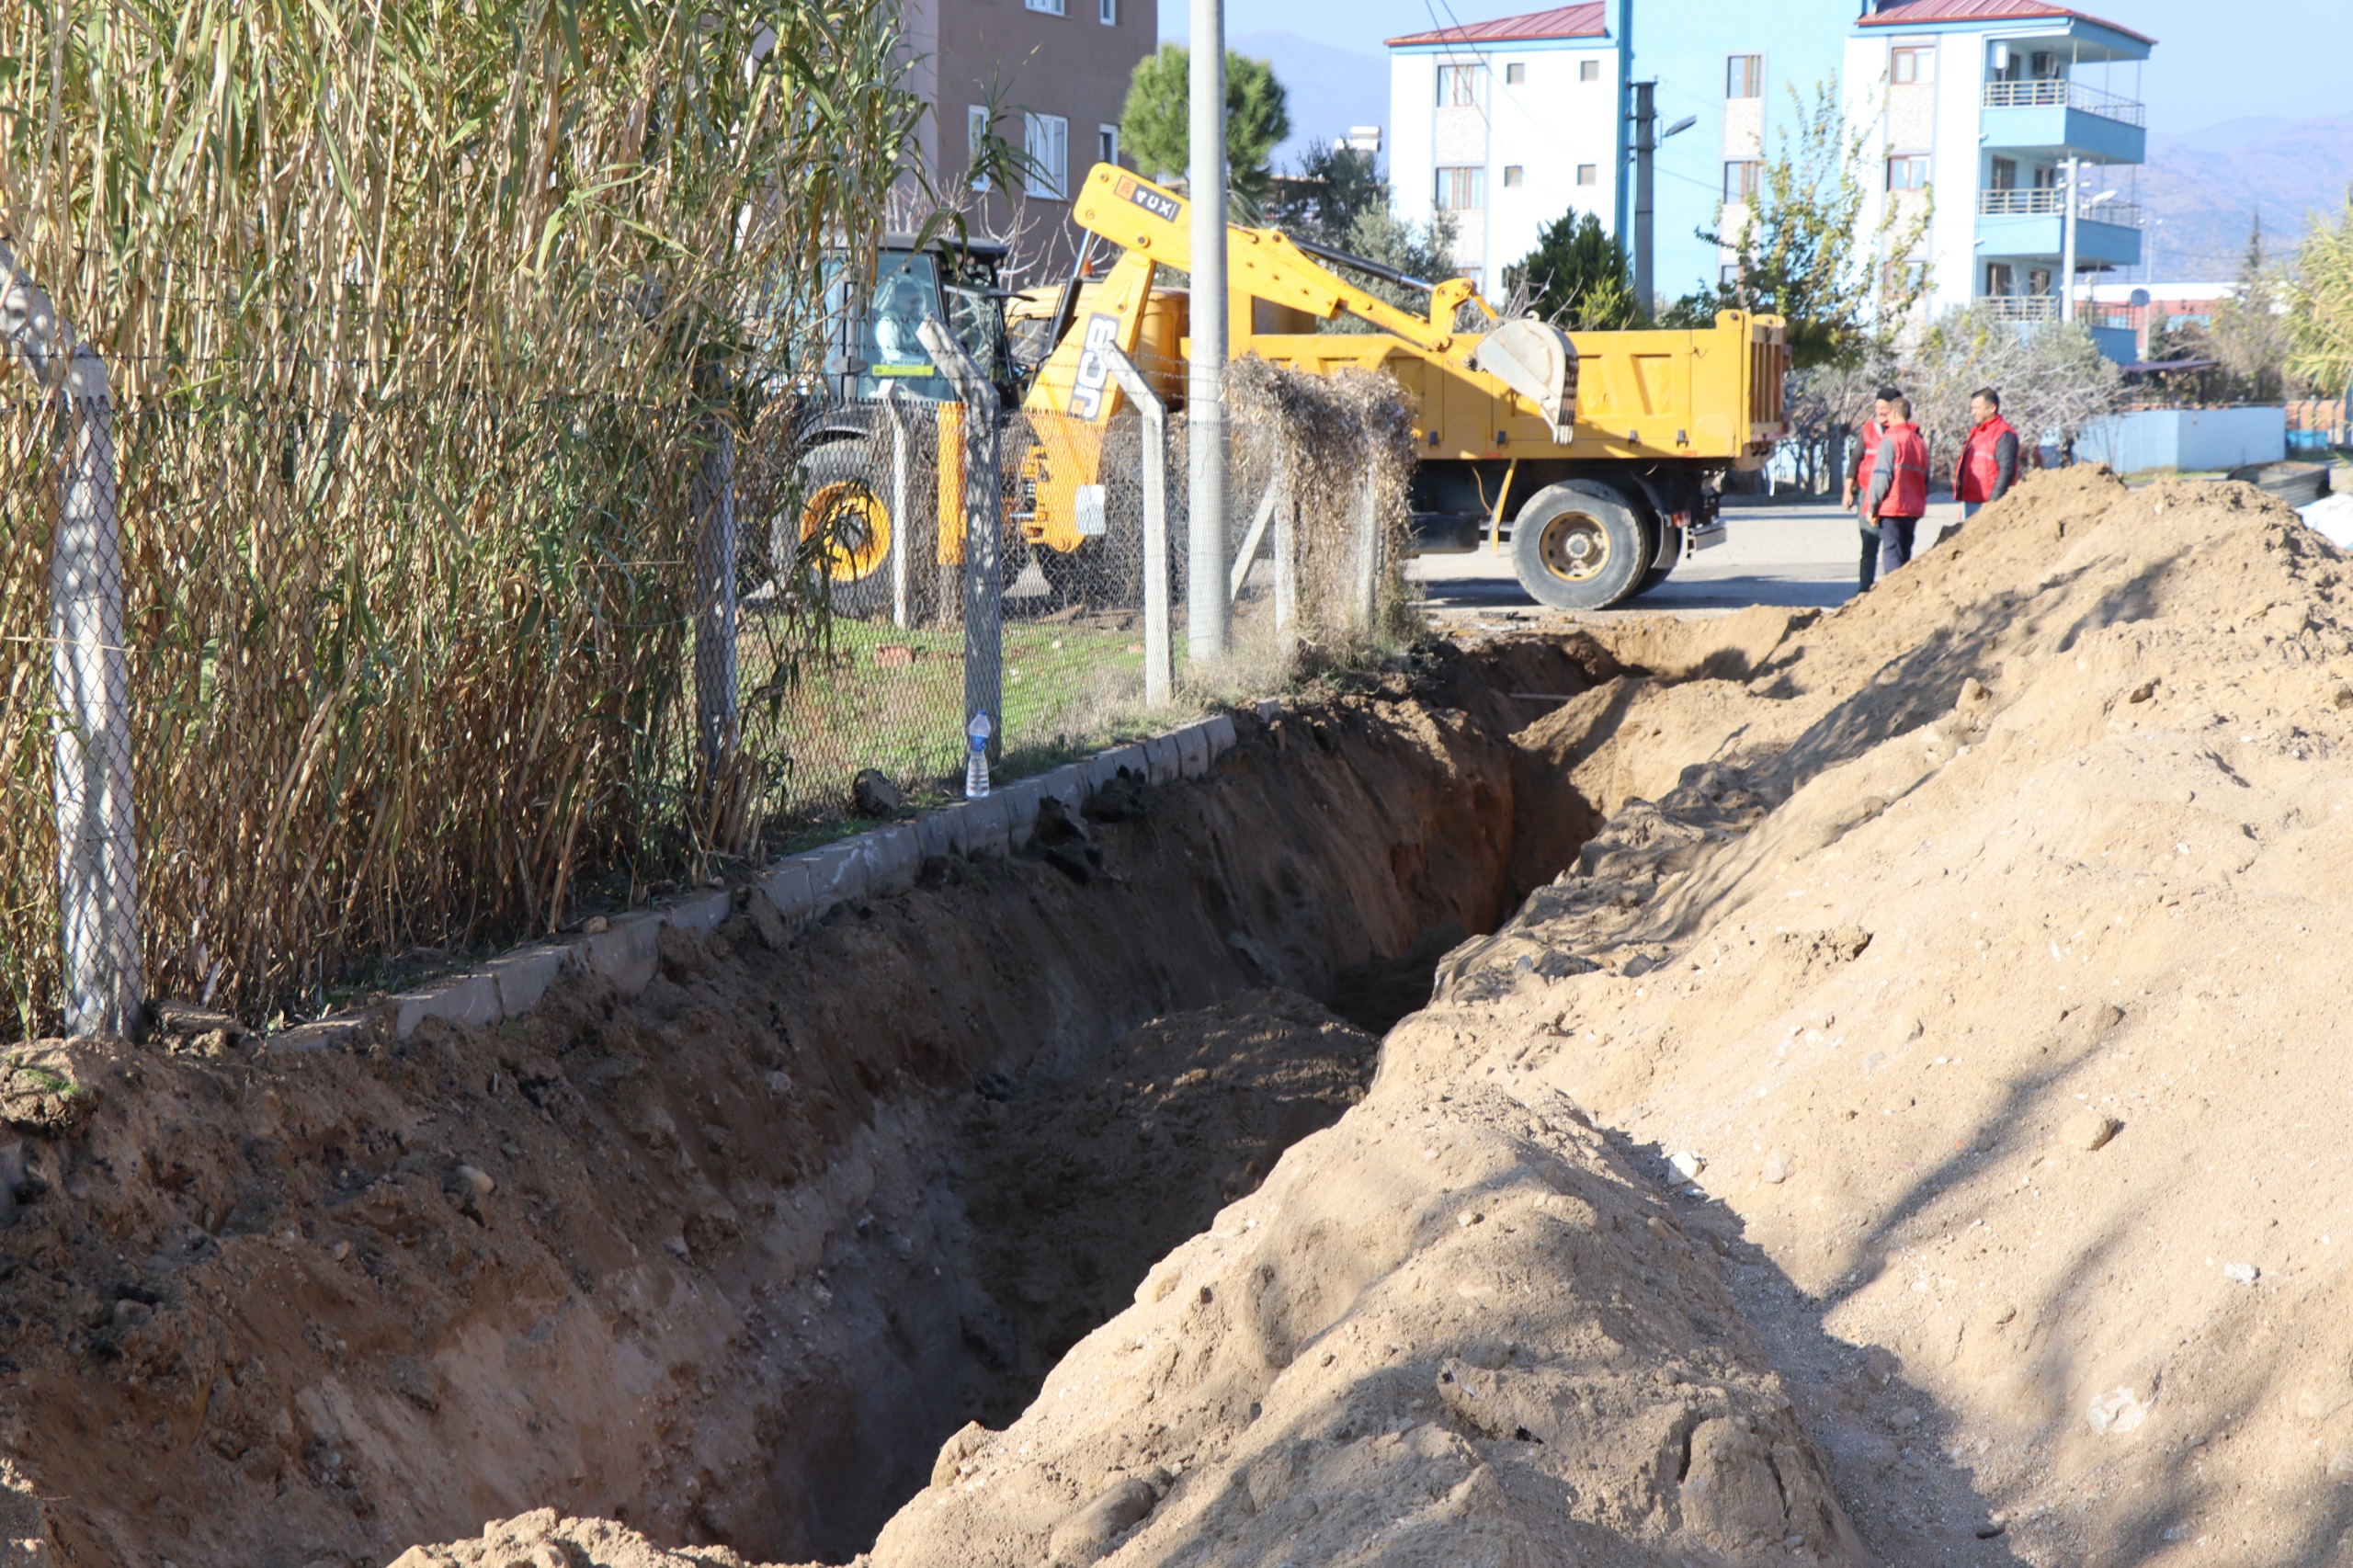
(1596, 454)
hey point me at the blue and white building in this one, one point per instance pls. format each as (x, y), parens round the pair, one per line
(1971, 108)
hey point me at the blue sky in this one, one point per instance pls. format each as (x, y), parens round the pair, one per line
(2258, 58)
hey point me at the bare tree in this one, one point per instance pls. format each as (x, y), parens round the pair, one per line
(2053, 379)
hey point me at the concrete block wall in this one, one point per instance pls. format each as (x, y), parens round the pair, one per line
(626, 948)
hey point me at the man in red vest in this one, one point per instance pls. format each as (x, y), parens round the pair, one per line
(1858, 477)
(1899, 487)
(1989, 457)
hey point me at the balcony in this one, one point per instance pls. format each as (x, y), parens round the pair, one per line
(2033, 223)
(2059, 117)
(2059, 90)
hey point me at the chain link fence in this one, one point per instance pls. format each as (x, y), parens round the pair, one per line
(357, 691)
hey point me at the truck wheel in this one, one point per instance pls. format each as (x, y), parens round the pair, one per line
(1578, 545)
(1670, 551)
(843, 531)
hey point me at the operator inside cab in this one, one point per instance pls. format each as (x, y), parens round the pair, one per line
(898, 312)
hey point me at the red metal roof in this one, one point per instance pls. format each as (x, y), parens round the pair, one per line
(1561, 21)
(1911, 13)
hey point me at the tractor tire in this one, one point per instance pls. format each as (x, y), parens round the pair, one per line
(1580, 545)
(845, 496)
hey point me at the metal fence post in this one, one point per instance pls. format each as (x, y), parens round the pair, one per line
(983, 534)
(713, 500)
(96, 853)
(902, 539)
(1159, 657)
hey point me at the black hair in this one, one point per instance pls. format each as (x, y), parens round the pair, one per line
(1989, 396)
(1889, 394)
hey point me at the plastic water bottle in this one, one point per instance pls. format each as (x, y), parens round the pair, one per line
(976, 762)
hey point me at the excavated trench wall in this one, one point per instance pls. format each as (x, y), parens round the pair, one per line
(700, 1259)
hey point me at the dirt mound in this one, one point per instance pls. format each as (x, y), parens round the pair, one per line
(544, 1539)
(1984, 972)
(1449, 1328)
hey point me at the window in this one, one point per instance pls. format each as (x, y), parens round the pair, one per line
(1458, 86)
(1907, 171)
(1740, 179)
(1107, 143)
(2004, 174)
(1461, 189)
(1515, 74)
(1745, 76)
(1906, 276)
(976, 134)
(2037, 281)
(2000, 280)
(1046, 138)
(1050, 8)
(1108, 12)
(1588, 174)
(1588, 69)
(1515, 175)
(1912, 67)
(1728, 275)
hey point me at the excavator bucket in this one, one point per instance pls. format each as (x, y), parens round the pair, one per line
(1537, 360)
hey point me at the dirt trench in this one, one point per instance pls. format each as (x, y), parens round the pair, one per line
(729, 1260)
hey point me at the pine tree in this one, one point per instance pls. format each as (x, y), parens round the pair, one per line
(1577, 276)
(1155, 126)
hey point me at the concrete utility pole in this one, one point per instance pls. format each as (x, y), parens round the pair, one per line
(2068, 242)
(1205, 385)
(1645, 118)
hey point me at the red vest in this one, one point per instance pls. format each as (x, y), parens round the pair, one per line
(1979, 470)
(1872, 434)
(1907, 496)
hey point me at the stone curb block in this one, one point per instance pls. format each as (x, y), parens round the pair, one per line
(988, 828)
(1164, 761)
(1193, 751)
(1066, 784)
(935, 833)
(703, 912)
(786, 885)
(1021, 811)
(325, 1035)
(836, 874)
(893, 856)
(464, 999)
(1220, 727)
(523, 978)
(626, 953)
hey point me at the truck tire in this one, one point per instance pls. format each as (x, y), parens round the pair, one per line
(1670, 551)
(1580, 545)
(846, 495)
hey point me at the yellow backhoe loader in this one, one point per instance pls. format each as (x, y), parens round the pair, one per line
(1596, 454)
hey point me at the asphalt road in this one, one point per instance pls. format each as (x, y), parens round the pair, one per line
(1796, 555)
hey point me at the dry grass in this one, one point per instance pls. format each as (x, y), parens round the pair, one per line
(421, 316)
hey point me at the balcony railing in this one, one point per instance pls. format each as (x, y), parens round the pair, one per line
(2053, 91)
(2020, 307)
(2050, 201)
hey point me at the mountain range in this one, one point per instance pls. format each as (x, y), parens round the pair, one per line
(2208, 187)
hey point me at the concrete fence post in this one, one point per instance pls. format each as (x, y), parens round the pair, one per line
(1159, 656)
(1367, 552)
(90, 778)
(713, 500)
(983, 534)
(1287, 563)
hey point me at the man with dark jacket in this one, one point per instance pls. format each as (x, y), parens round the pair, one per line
(1988, 465)
(1899, 486)
(1858, 477)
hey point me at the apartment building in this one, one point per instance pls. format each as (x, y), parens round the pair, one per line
(1969, 108)
(1056, 72)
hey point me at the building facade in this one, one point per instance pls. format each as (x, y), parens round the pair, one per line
(1050, 77)
(1968, 109)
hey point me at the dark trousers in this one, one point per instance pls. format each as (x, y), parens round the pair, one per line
(1870, 555)
(1895, 542)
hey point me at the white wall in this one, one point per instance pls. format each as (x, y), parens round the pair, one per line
(1546, 126)
(2190, 438)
